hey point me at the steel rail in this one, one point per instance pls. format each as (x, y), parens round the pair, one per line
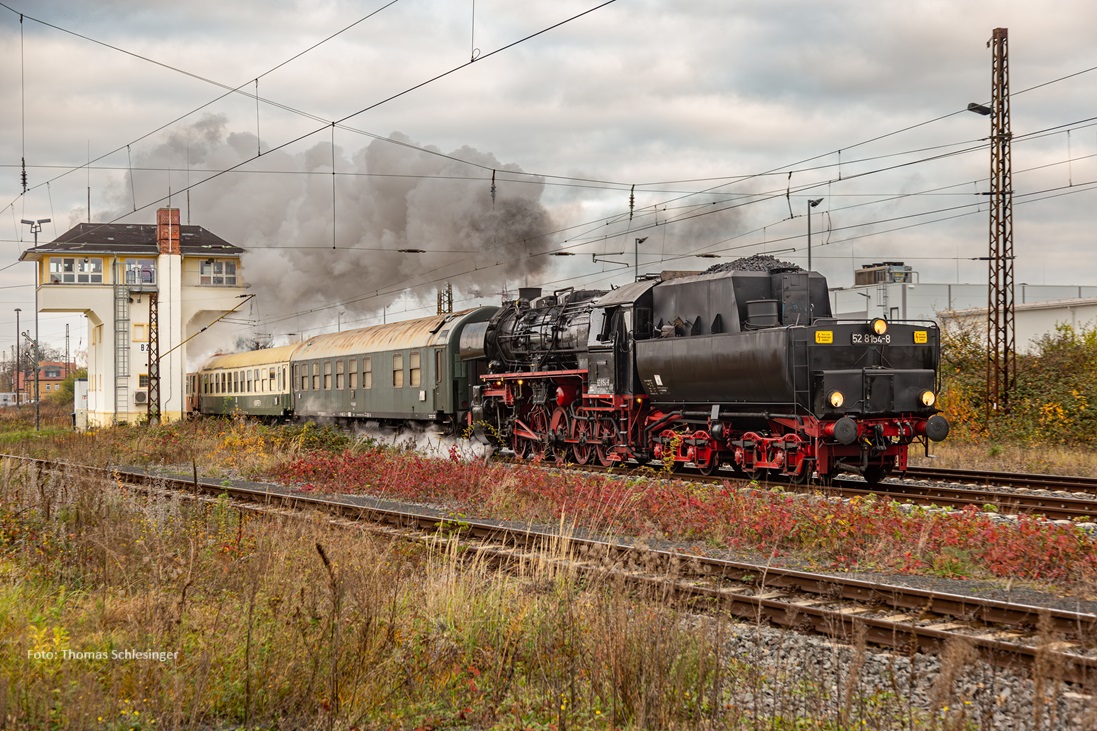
(1070, 483)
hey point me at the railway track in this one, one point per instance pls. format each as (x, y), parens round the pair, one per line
(953, 489)
(1069, 483)
(903, 618)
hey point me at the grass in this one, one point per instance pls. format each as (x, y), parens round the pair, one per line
(1041, 459)
(290, 624)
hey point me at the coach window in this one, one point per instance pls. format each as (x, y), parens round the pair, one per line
(416, 371)
(327, 375)
(315, 376)
(439, 359)
(397, 370)
(352, 372)
(249, 373)
(367, 372)
(340, 380)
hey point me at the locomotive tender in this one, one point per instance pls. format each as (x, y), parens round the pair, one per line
(739, 368)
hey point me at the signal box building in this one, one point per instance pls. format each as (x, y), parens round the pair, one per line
(145, 289)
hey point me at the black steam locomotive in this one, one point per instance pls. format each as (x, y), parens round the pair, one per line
(739, 368)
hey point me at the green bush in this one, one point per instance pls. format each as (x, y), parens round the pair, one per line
(1051, 402)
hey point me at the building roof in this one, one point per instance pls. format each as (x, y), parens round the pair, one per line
(1063, 304)
(134, 239)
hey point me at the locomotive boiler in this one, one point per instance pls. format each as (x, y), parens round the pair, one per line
(743, 369)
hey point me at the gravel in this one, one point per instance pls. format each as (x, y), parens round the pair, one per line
(866, 688)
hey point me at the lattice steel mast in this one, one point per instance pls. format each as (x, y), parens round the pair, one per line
(1001, 344)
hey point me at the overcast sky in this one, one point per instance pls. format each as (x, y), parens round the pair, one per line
(705, 107)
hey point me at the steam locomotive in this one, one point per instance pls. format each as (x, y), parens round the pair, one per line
(742, 369)
(739, 368)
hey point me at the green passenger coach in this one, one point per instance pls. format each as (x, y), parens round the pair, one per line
(399, 371)
(255, 383)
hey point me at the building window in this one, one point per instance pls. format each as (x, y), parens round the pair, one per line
(367, 372)
(74, 270)
(397, 370)
(141, 271)
(217, 272)
(143, 380)
(416, 371)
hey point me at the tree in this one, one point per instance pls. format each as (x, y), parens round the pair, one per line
(66, 392)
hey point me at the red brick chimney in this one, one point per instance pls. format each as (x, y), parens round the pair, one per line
(167, 230)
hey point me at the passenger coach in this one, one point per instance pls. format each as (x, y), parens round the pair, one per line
(408, 370)
(255, 383)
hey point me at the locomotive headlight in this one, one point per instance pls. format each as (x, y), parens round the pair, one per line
(928, 398)
(879, 325)
(836, 399)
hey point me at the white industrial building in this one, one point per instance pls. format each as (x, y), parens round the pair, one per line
(107, 272)
(892, 290)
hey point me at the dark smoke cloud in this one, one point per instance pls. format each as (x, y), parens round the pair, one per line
(388, 197)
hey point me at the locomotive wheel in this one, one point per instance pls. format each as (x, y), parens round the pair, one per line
(604, 428)
(761, 475)
(804, 477)
(710, 469)
(559, 429)
(539, 425)
(583, 431)
(521, 446)
(875, 473)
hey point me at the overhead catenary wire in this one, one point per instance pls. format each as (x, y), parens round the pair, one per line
(839, 173)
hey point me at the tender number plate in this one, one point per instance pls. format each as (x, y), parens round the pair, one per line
(870, 339)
